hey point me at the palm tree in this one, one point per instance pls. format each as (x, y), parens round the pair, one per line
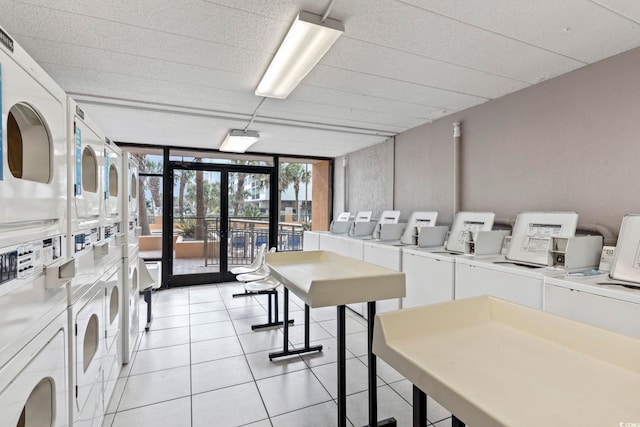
(184, 178)
(296, 174)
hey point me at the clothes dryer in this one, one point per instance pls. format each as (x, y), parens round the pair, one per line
(86, 171)
(33, 163)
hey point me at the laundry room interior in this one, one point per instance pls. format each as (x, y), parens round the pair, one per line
(319, 213)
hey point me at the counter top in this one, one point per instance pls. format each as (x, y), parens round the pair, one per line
(495, 363)
(323, 278)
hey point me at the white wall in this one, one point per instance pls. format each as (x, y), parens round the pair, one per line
(570, 143)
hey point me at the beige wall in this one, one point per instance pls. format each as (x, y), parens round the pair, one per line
(570, 143)
(320, 196)
(366, 181)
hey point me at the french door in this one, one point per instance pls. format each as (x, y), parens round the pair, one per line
(219, 215)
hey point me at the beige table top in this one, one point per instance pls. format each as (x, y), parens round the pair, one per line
(323, 278)
(494, 363)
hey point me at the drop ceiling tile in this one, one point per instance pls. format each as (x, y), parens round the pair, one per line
(399, 65)
(412, 29)
(358, 83)
(325, 96)
(627, 8)
(582, 30)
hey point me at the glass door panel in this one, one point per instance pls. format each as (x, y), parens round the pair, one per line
(248, 216)
(196, 223)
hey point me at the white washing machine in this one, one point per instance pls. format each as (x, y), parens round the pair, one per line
(86, 315)
(130, 302)
(33, 334)
(33, 263)
(113, 282)
(519, 276)
(34, 383)
(430, 271)
(130, 305)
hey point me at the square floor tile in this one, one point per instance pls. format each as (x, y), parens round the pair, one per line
(357, 377)
(265, 339)
(324, 414)
(204, 351)
(116, 396)
(166, 414)
(390, 404)
(288, 392)
(384, 371)
(352, 326)
(164, 310)
(250, 311)
(239, 302)
(324, 313)
(164, 338)
(108, 420)
(161, 358)
(262, 367)
(155, 387)
(316, 332)
(327, 355)
(207, 306)
(204, 295)
(171, 297)
(209, 331)
(243, 326)
(209, 317)
(231, 406)
(358, 343)
(169, 322)
(218, 374)
(435, 411)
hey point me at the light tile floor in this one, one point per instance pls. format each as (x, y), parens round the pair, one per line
(202, 365)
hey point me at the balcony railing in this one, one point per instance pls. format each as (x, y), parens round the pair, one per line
(243, 240)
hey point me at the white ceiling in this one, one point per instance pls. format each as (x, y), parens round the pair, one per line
(184, 72)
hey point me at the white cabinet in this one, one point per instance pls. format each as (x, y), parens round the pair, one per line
(429, 278)
(311, 241)
(387, 256)
(476, 278)
(584, 305)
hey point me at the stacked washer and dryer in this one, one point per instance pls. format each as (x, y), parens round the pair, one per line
(132, 230)
(86, 292)
(113, 279)
(33, 261)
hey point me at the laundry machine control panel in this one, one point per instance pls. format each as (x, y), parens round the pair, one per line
(27, 259)
(86, 239)
(111, 230)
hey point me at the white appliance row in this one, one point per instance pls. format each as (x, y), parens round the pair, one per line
(438, 275)
(68, 206)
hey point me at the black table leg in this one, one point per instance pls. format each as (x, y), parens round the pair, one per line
(285, 330)
(147, 299)
(342, 371)
(455, 422)
(419, 408)
(372, 369)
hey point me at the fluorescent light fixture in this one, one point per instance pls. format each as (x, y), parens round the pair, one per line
(238, 141)
(306, 43)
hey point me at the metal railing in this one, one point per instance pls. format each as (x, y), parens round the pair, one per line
(243, 240)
